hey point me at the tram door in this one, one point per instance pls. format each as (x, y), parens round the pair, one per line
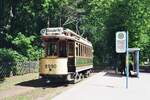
(71, 56)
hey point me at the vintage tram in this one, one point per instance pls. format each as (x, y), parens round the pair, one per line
(68, 56)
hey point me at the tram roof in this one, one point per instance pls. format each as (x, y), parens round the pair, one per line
(59, 32)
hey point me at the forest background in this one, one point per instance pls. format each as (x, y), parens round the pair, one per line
(98, 20)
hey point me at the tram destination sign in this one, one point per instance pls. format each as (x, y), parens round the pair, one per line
(51, 31)
(121, 42)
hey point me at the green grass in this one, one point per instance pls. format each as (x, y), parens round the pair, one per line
(38, 92)
(18, 98)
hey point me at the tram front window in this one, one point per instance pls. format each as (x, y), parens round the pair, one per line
(52, 49)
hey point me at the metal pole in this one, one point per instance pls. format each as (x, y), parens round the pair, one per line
(137, 60)
(127, 61)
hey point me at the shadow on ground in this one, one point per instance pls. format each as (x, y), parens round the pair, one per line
(2, 80)
(112, 74)
(98, 69)
(41, 83)
(37, 83)
(145, 70)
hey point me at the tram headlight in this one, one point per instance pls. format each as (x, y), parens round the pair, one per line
(43, 31)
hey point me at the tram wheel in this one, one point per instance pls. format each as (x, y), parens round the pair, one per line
(77, 78)
(82, 76)
(87, 74)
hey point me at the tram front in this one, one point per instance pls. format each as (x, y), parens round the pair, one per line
(54, 64)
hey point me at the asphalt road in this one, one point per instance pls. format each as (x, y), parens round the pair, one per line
(108, 86)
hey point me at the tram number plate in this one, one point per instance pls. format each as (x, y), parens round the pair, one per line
(50, 66)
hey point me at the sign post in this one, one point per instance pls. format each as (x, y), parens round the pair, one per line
(127, 61)
(122, 47)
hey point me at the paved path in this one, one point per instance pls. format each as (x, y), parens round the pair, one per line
(105, 86)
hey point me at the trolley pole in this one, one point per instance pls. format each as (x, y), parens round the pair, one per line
(127, 61)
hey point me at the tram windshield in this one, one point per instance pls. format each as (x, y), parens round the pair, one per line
(52, 49)
(56, 49)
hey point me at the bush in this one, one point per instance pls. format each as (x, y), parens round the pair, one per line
(26, 47)
(8, 57)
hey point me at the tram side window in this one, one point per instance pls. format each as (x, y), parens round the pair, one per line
(85, 51)
(77, 50)
(89, 52)
(81, 50)
(52, 49)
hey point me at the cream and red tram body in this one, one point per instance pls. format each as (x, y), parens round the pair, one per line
(68, 56)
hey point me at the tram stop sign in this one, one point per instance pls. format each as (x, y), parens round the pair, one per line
(121, 42)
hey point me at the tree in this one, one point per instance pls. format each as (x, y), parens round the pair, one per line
(97, 20)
